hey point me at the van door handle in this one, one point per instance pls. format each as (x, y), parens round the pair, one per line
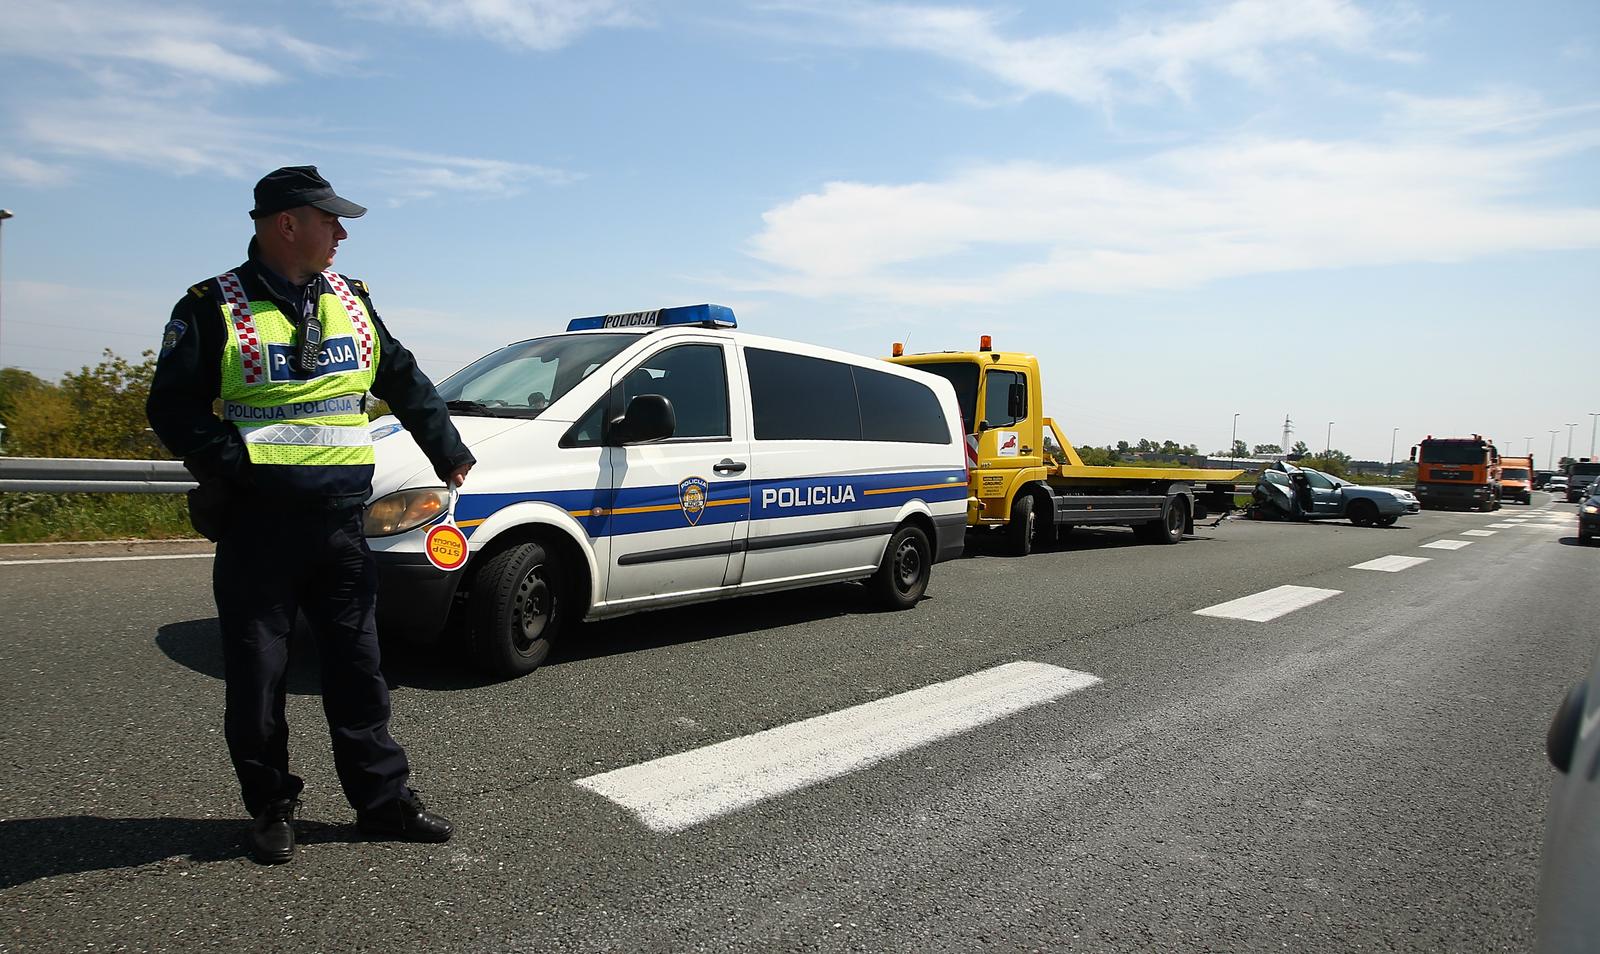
(728, 465)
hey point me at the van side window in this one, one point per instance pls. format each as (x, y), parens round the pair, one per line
(894, 408)
(695, 379)
(800, 398)
(1005, 398)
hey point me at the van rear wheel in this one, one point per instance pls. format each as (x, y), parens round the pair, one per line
(1362, 513)
(517, 607)
(903, 575)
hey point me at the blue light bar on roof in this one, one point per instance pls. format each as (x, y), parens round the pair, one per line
(705, 316)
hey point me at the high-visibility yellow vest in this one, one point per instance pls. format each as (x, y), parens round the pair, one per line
(292, 418)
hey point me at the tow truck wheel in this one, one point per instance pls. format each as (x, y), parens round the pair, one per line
(517, 606)
(902, 577)
(1363, 513)
(1169, 528)
(1020, 531)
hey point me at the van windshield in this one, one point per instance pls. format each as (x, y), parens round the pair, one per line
(523, 379)
(1514, 473)
(1584, 470)
(963, 376)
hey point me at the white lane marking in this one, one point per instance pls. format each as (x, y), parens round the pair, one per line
(1447, 544)
(1500, 526)
(122, 559)
(679, 791)
(1268, 604)
(1479, 533)
(1391, 564)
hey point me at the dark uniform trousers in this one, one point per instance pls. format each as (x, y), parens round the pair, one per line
(272, 561)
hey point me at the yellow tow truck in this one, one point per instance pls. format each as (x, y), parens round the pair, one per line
(1024, 476)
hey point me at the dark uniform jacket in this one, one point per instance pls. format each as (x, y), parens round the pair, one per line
(188, 380)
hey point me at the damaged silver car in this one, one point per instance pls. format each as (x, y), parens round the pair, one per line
(1287, 492)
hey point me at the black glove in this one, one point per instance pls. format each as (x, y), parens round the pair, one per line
(208, 509)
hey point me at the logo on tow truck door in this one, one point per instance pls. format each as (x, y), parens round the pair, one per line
(1006, 444)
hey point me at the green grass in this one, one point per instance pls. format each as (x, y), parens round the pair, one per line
(53, 518)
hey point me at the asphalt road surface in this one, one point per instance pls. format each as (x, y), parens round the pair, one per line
(1055, 752)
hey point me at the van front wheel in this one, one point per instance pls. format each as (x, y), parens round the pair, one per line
(518, 605)
(902, 578)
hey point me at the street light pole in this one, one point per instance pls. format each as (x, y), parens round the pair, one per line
(1329, 445)
(1392, 435)
(1592, 424)
(4, 214)
(1527, 447)
(1553, 449)
(1569, 438)
(1233, 442)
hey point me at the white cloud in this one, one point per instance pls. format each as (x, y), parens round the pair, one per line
(533, 24)
(1501, 109)
(157, 134)
(1135, 58)
(415, 175)
(185, 42)
(1019, 230)
(31, 172)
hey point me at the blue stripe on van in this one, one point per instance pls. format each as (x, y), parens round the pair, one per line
(605, 512)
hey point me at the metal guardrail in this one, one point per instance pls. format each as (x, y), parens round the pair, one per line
(57, 475)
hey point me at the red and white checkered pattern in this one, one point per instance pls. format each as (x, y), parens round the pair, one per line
(244, 326)
(358, 316)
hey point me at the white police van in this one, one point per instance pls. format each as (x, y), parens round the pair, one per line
(662, 458)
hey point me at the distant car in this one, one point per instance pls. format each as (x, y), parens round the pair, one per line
(1557, 486)
(1589, 518)
(1580, 479)
(1569, 876)
(1300, 493)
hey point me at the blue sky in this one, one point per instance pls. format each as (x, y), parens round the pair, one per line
(1383, 215)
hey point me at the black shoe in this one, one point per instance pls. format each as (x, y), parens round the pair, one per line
(405, 819)
(272, 835)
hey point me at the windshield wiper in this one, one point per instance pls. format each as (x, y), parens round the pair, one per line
(470, 407)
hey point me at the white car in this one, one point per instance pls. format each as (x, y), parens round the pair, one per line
(662, 458)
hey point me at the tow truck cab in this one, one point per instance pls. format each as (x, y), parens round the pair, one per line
(1026, 478)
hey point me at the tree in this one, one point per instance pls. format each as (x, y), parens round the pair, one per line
(1239, 449)
(1268, 449)
(93, 412)
(1096, 456)
(1300, 449)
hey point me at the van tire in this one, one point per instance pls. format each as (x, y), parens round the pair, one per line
(1388, 520)
(517, 606)
(903, 575)
(1020, 531)
(1362, 513)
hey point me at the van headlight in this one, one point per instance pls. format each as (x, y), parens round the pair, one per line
(405, 510)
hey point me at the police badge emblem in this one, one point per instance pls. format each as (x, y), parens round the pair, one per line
(172, 334)
(692, 495)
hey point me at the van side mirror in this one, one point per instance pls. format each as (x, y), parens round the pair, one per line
(649, 417)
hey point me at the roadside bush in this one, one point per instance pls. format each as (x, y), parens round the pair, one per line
(48, 518)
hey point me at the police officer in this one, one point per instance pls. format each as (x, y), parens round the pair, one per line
(291, 347)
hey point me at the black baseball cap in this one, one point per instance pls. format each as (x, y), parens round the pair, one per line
(294, 186)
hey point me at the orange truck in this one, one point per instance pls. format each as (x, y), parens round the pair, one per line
(1516, 479)
(1457, 473)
